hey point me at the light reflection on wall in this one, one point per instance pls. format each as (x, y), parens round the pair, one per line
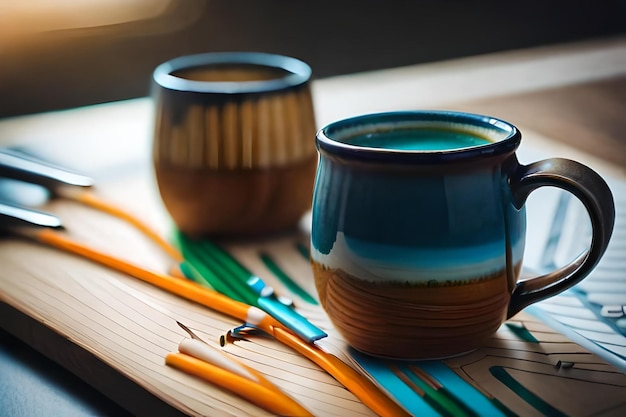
(33, 16)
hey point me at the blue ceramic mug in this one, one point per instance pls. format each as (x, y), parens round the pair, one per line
(419, 227)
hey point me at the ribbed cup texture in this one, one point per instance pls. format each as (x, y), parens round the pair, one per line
(241, 132)
(404, 321)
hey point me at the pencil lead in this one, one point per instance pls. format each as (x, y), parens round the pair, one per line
(190, 332)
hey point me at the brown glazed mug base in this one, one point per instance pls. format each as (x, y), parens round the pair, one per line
(414, 322)
(240, 202)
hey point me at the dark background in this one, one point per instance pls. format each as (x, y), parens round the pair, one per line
(69, 68)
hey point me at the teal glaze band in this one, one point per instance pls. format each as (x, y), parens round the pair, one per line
(297, 73)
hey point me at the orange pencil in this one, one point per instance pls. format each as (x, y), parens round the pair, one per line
(265, 397)
(183, 288)
(364, 389)
(92, 200)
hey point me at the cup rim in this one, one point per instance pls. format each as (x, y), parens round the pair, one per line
(326, 138)
(298, 71)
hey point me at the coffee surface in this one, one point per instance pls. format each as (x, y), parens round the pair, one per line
(231, 73)
(430, 139)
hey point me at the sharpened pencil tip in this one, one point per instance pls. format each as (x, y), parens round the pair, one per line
(189, 332)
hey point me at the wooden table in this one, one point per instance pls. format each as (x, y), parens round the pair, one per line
(568, 100)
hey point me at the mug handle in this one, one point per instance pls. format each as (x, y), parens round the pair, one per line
(597, 198)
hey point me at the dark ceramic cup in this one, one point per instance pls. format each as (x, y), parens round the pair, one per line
(233, 150)
(418, 230)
